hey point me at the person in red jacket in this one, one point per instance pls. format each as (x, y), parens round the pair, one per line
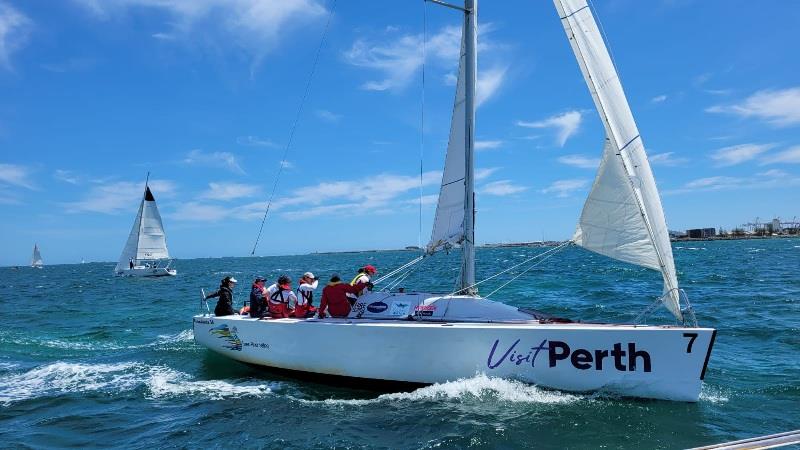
(334, 297)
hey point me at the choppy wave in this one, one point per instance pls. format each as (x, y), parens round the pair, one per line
(477, 388)
(62, 378)
(712, 395)
(165, 341)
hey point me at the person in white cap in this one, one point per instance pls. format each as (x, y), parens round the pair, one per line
(225, 293)
(305, 296)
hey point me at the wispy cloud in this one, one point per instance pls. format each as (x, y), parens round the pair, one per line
(67, 176)
(777, 107)
(327, 116)
(501, 188)
(789, 156)
(489, 82)
(488, 145)
(255, 26)
(658, 98)
(580, 161)
(565, 124)
(564, 188)
(214, 159)
(14, 30)
(229, 191)
(16, 175)
(483, 173)
(666, 159)
(286, 164)
(737, 154)
(255, 141)
(762, 180)
(120, 196)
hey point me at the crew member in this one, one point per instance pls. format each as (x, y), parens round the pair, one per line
(225, 293)
(334, 297)
(281, 298)
(258, 298)
(305, 296)
(130, 263)
(364, 275)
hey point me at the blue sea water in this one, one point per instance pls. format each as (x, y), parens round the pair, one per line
(88, 360)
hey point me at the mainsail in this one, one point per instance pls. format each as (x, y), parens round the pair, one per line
(455, 212)
(622, 217)
(36, 258)
(147, 240)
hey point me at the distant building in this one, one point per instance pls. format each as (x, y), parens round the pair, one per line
(675, 234)
(701, 233)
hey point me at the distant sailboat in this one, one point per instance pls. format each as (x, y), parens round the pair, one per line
(36, 258)
(145, 254)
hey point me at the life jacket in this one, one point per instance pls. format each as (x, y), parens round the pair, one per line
(355, 279)
(278, 304)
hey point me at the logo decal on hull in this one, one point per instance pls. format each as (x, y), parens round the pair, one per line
(377, 307)
(580, 358)
(230, 337)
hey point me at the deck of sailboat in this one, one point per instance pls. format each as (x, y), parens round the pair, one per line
(405, 323)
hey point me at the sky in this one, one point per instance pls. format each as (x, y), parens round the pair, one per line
(203, 94)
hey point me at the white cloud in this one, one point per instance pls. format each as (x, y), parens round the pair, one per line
(501, 188)
(580, 161)
(791, 156)
(229, 191)
(255, 141)
(327, 115)
(666, 159)
(14, 29)
(120, 196)
(563, 188)
(489, 82)
(487, 145)
(485, 172)
(214, 159)
(566, 124)
(16, 175)
(658, 98)
(256, 26)
(770, 179)
(736, 154)
(67, 176)
(286, 164)
(777, 107)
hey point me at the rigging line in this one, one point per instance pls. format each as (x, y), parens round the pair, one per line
(521, 274)
(422, 114)
(399, 269)
(554, 249)
(282, 163)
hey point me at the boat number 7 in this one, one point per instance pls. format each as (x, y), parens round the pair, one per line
(692, 337)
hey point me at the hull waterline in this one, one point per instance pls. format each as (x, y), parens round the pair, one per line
(661, 362)
(147, 272)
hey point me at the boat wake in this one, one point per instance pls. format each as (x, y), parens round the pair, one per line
(64, 378)
(163, 341)
(478, 388)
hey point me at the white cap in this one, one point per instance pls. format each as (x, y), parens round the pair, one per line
(233, 280)
(309, 275)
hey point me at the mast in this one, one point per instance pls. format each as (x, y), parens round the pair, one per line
(141, 211)
(470, 72)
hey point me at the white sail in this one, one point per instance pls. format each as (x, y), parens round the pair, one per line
(622, 217)
(146, 240)
(36, 258)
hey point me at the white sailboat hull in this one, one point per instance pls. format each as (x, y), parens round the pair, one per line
(147, 272)
(661, 362)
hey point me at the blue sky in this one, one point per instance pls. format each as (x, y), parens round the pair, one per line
(94, 94)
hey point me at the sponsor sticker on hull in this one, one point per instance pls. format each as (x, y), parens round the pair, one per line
(620, 357)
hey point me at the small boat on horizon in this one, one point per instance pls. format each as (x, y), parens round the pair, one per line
(36, 258)
(425, 338)
(145, 253)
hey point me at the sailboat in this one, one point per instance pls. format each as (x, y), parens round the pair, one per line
(424, 338)
(36, 258)
(145, 253)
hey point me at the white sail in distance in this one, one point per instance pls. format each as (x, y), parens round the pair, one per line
(448, 224)
(36, 258)
(622, 217)
(146, 240)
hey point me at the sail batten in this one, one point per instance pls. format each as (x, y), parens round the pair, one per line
(622, 217)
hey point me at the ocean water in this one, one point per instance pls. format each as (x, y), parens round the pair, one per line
(88, 360)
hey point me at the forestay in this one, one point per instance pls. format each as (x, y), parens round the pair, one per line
(147, 240)
(448, 224)
(622, 217)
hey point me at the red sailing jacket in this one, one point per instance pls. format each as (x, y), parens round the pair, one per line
(334, 298)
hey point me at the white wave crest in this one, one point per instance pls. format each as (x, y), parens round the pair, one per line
(61, 378)
(479, 387)
(165, 382)
(712, 395)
